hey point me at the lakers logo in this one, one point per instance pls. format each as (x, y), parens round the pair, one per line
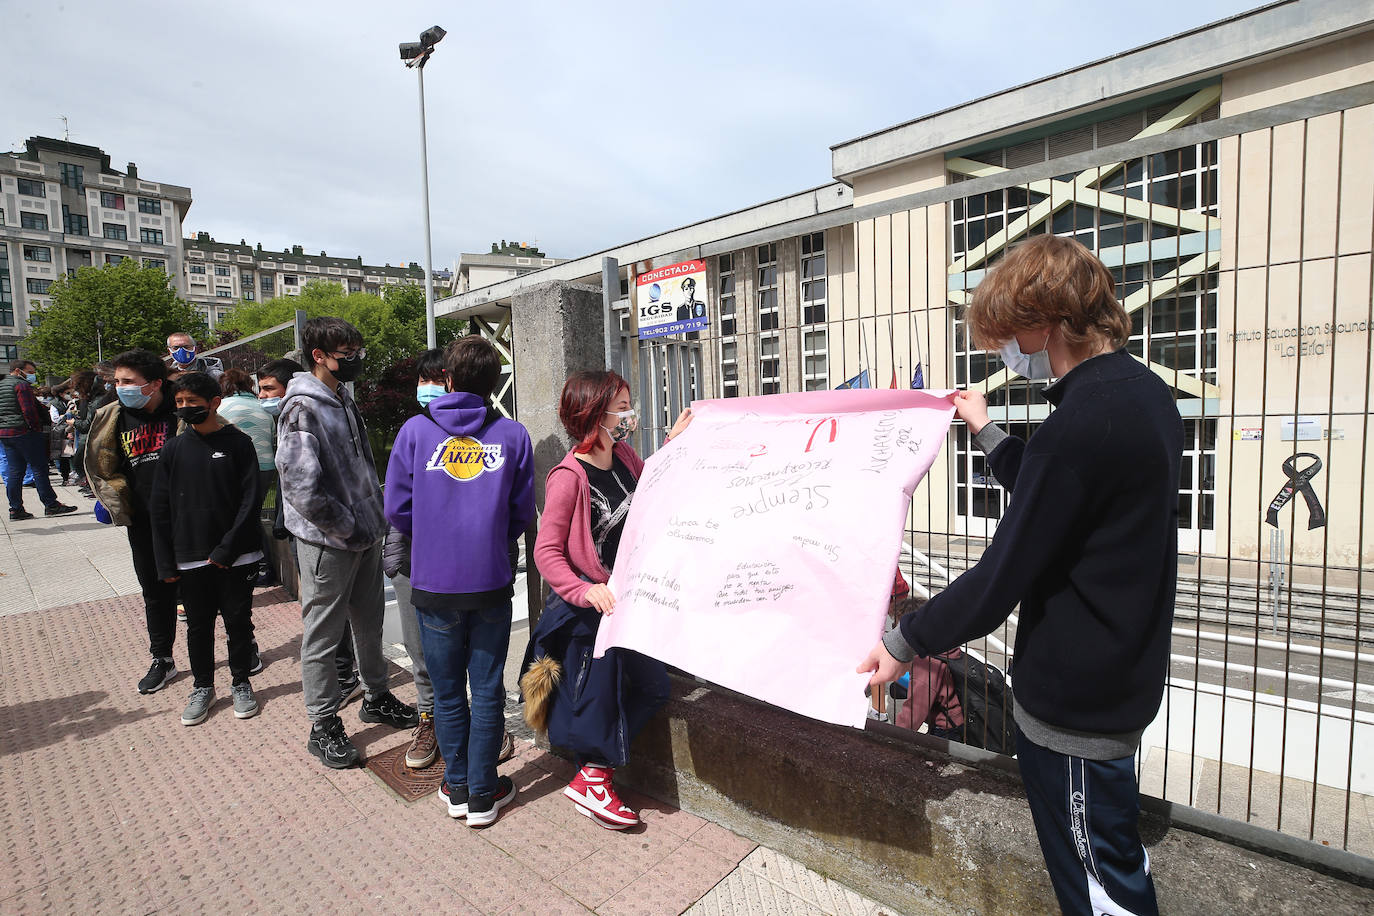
(463, 458)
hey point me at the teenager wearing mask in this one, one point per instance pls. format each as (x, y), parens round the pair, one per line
(1088, 546)
(121, 455)
(586, 501)
(272, 381)
(204, 511)
(22, 424)
(333, 507)
(460, 486)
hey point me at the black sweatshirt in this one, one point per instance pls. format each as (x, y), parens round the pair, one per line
(1088, 546)
(206, 499)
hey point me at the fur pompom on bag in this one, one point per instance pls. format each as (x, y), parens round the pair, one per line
(538, 685)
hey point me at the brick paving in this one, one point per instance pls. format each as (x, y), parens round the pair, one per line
(108, 804)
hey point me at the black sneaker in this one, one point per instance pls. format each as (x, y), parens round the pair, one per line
(160, 672)
(58, 509)
(389, 710)
(329, 742)
(19, 515)
(483, 809)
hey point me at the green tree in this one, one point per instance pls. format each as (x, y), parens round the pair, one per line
(136, 304)
(393, 329)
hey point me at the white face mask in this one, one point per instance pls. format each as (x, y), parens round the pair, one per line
(1030, 366)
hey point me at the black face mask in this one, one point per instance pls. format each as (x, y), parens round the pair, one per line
(349, 369)
(193, 416)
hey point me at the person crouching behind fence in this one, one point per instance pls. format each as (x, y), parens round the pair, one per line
(1089, 548)
(460, 486)
(587, 498)
(204, 512)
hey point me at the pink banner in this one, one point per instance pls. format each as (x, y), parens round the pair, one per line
(761, 543)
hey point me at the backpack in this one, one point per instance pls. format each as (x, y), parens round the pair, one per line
(986, 696)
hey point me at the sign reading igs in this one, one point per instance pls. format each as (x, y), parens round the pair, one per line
(671, 300)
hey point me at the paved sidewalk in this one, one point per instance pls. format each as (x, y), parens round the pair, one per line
(52, 562)
(109, 805)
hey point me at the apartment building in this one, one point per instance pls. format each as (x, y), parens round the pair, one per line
(63, 207)
(505, 261)
(220, 275)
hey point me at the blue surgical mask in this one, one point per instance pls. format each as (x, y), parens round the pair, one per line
(1030, 366)
(271, 405)
(184, 355)
(32, 377)
(426, 393)
(132, 396)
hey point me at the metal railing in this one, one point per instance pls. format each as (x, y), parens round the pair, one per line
(1242, 248)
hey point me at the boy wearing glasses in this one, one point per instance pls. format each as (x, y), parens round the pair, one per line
(333, 506)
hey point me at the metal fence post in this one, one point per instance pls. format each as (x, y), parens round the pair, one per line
(610, 291)
(300, 332)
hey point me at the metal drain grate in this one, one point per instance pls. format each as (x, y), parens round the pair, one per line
(410, 785)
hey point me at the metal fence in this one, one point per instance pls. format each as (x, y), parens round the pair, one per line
(1241, 247)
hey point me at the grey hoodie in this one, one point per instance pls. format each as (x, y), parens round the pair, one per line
(328, 478)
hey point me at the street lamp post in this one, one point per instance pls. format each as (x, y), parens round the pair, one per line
(416, 54)
(99, 345)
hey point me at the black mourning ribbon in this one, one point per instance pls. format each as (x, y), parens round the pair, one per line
(1301, 481)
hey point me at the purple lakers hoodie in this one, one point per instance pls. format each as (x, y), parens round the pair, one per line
(460, 485)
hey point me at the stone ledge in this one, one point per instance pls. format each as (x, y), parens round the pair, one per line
(923, 830)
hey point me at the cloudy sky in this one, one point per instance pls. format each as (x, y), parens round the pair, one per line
(579, 125)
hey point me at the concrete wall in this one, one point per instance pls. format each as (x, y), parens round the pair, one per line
(919, 830)
(558, 329)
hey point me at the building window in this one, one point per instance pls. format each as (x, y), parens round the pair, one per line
(6, 294)
(729, 350)
(246, 280)
(30, 188)
(197, 268)
(74, 223)
(221, 271)
(815, 360)
(117, 231)
(223, 294)
(770, 364)
(112, 200)
(72, 175)
(113, 258)
(37, 253)
(149, 205)
(37, 287)
(354, 286)
(9, 352)
(150, 236)
(265, 283)
(767, 295)
(159, 263)
(813, 278)
(289, 280)
(248, 294)
(33, 221)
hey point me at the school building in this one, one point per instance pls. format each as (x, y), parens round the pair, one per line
(1223, 175)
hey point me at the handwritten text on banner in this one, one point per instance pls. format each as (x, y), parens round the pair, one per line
(760, 545)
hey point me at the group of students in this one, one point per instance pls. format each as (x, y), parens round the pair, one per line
(1088, 554)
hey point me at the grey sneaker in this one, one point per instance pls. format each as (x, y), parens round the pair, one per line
(245, 704)
(198, 706)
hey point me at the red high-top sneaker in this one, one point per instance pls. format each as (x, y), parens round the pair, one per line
(592, 792)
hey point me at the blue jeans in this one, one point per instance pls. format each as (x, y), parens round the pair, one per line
(27, 450)
(462, 648)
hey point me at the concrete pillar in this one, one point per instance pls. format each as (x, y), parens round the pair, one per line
(558, 329)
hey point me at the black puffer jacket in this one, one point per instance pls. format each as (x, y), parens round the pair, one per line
(395, 554)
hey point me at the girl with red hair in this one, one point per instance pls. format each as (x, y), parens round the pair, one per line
(591, 706)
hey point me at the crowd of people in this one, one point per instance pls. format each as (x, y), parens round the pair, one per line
(183, 461)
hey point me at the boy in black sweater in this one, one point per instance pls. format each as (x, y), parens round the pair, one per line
(204, 509)
(1089, 548)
